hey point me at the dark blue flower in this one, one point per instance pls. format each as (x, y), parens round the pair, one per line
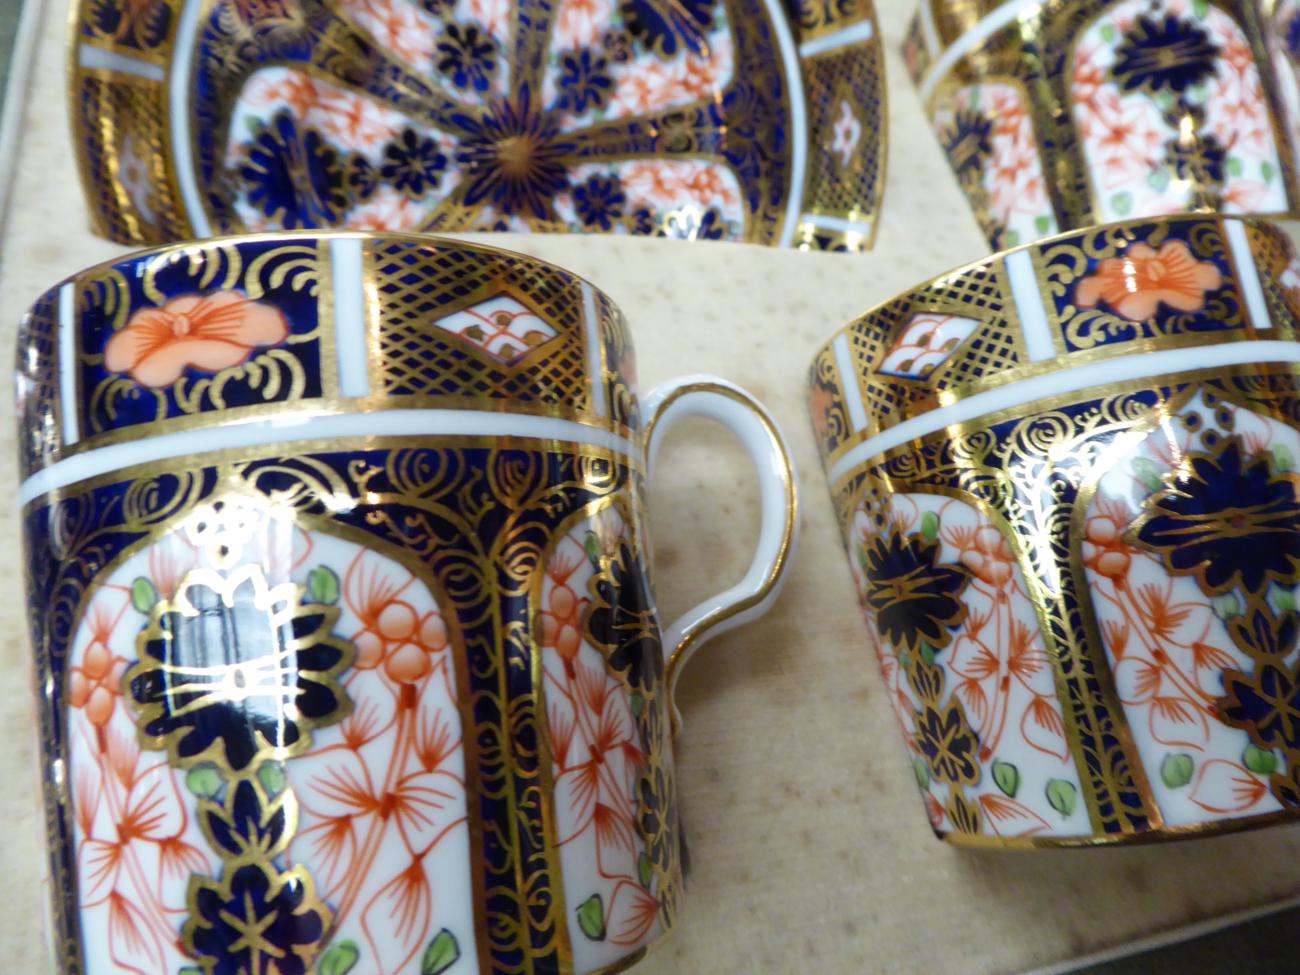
(599, 202)
(914, 596)
(232, 673)
(1267, 703)
(467, 55)
(256, 920)
(621, 620)
(363, 180)
(1171, 54)
(1229, 520)
(412, 164)
(968, 141)
(1198, 159)
(585, 83)
(295, 178)
(664, 26)
(246, 826)
(513, 157)
(948, 743)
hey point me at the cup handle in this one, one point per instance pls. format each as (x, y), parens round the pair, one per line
(725, 403)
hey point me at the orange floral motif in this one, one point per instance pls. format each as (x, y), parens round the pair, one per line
(206, 332)
(1136, 284)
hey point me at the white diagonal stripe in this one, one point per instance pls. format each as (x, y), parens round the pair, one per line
(863, 30)
(1127, 368)
(849, 383)
(972, 39)
(94, 58)
(827, 222)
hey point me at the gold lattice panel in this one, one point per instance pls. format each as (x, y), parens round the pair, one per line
(417, 285)
(108, 109)
(1274, 253)
(854, 75)
(978, 293)
(37, 385)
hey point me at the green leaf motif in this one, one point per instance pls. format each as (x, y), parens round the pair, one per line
(1011, 238)
(1123, 203)
(1146, 471)
(1200, 8)
(1266, 171)
(930, 525)
(591, 918)
(1159, 179)
(591, 543)
(1283, 599)
(1007, 777)
(643, 871)
(1176, 770)
(1108, 33)
(203, 781)
(143, 595)
(1225, 605)
(1283, 458)
(272, 777)
(1259, 761)
(922, 772)
(442, 953)
(927, 653)
(190, 970)
(1062, 796)
(1043, 224)
(339, 960)
(1235, 167)
(637, 703)
(323, 585)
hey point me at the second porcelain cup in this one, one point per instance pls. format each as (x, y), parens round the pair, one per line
(1067, 480)
(341, 610)
(1063, 115)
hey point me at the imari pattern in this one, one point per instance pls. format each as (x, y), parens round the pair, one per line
(634, 117)
(376, 702)
(250, 329)
(1080, 597)
(1146, 284)
(1174, 106)
(844, 85)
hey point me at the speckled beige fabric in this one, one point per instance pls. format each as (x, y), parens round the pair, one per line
(809, 848)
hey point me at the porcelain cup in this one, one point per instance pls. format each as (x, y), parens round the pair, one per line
(1067, 481)
(1064, 115)
(341, 610)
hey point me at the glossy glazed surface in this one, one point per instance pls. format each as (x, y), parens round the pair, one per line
(1067, 487)
(704, 120)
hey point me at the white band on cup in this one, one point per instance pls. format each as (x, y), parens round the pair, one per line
(307, 426)
(1071, 380)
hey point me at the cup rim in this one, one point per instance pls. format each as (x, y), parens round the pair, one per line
(139, 254)
(983, 263)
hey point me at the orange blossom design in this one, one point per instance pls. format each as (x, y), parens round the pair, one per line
(1136, 284)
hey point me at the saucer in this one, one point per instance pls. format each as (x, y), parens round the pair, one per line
(708, 119)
